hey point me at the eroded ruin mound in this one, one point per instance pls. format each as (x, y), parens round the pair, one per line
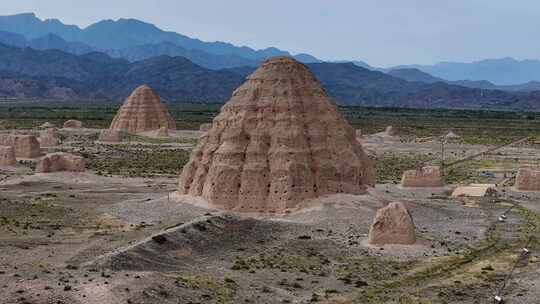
(429, 176)
(73, 124)
(390, 131)
(528, 179)
(143, 111)
(49, 138)
(25, 146)
(7, 156)
(451, 135)
(393, 224)
(55, 162)
(46, 125)
(202, 238)
(278, 141)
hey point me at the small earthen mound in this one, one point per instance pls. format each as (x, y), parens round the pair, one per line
(7, 156)
(278, 141)
(390, 131)
(47, 125)
(55, 162)
(109, 135)
(429, 176)
(393, 224)
(73, 124)
(451, 135)
(25, 146)
(143, 111)
(161, 133)
(205, 127)
(528, 179)
(49, 138)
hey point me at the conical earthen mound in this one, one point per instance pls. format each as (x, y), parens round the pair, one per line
(393, 224)
(278, 141)
(142, 111)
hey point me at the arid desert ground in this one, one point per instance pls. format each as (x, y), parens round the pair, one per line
(278, 200)
(97, 237)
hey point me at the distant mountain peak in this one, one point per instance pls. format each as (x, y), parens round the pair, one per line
(131, 39)
(28, 15)
(414, 74)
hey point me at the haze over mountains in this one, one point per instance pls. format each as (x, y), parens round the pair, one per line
(415, 74)
(503, 71)
(48, 59)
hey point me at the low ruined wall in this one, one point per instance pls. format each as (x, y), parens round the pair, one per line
(109, 135)
(60, 162)
(424, 177)
(528, 179)
(25, 146)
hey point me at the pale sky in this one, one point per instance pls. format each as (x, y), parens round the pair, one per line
(380, 32)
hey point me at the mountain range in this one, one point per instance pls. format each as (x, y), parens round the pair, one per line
(31, 73)
(106, 60)
(130, 39)
(135, 40)
(502, 71)
(414, 74)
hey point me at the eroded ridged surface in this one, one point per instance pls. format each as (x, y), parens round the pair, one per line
(143, 111)
(278, 141)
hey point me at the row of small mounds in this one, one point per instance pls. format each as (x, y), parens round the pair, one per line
(29, 147)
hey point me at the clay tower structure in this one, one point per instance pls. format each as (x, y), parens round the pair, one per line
(142, 111)
(278, 141)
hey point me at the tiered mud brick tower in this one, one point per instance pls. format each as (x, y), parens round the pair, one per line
(142, 111)
(278, 141)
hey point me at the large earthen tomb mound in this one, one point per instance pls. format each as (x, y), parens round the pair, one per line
(528, 179)
(143, 111)
(278, 141)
